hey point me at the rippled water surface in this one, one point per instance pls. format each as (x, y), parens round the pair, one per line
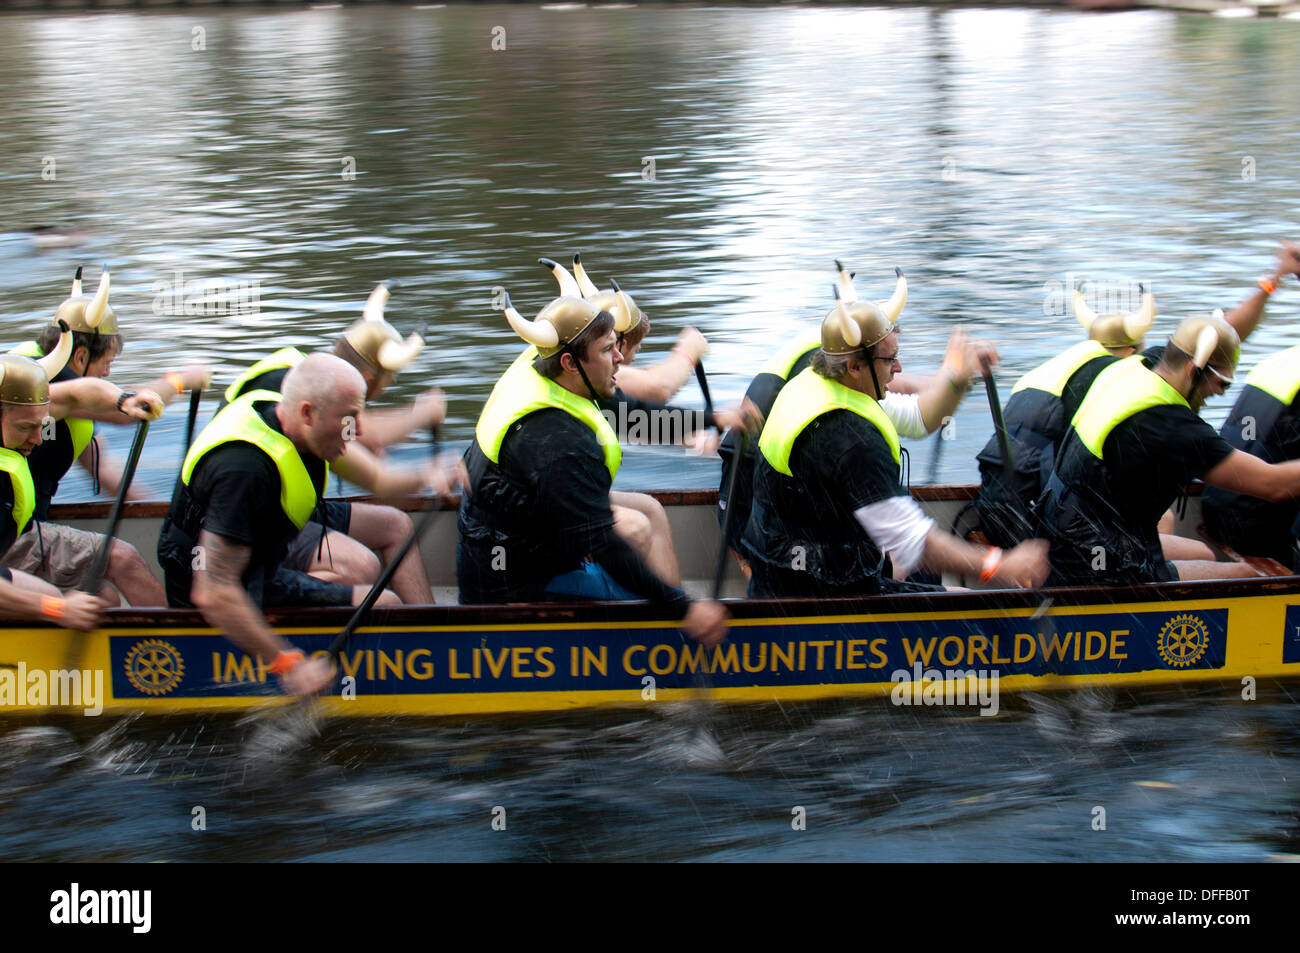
(715, 161)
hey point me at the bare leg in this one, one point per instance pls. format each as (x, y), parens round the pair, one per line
(660, 556)
(1181, 548)
(1166, 526)
(384, 529)
(344, 561)
(1206, 569)
(386, 598)
(128, 571)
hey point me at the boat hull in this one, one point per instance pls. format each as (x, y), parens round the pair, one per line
(463, 660)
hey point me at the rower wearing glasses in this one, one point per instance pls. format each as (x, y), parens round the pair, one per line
(827, 498)
(1135, 444)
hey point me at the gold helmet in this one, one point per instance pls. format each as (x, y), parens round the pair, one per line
(376, 341)
(1208, 340)
(86, 314)
(1116, 330)
(557, 324)
(26, 381)
(626, 317)
(854, 325)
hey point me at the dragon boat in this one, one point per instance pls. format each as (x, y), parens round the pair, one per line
(447, 659)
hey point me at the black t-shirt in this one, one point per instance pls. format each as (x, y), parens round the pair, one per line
(547, 505)
(234, 492)
(838, 464)
(8, 532)
(52, 459)
(1147, 459)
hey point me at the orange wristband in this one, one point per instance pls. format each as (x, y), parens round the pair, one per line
(1268, 285)
(992, 560)
(286, 662)
(176, 381)
(52, 607)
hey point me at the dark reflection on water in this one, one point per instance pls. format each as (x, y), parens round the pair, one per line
(1196, 776)
(991, 154)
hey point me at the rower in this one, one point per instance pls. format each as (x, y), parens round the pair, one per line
(541, 466)
(249, 484)
(1135, 443)
(26, 399)
(638, 517)
(916, 405)
(340, 544)
(1045, 400)
(828, 503)
(62, 554)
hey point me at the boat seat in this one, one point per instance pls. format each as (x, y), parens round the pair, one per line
(1262, 565)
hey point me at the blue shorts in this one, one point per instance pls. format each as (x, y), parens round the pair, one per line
(589, 582)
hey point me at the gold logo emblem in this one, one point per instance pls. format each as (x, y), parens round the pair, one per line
(154, 667)
(1183, 641)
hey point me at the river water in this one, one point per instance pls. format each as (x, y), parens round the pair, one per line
(715, 161)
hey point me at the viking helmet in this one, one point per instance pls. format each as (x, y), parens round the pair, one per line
(25, 381)
(376, 341)
(89, 315)
(620, 304)
(854, 325)
(1116, 330)
(1208, 340)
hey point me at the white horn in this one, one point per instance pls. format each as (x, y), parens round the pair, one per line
(57, 359)
(539, 333)
(1084, 313)
(374, 309)
(1206, 342)
(568, 287)
(849, 328)
(894, 306)
(76, 283)
(623, 325)
(586, 284)
(1138, 323)
(395, 355)
(95, 310)
(847, 292)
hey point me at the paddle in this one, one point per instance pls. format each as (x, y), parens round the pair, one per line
(195, 396)
(704, 386)
(385, 577)
(999, 423)
(94, 580)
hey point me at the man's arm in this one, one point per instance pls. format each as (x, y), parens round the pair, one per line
(383, 427)
(1242, 472)
(88, 396)
(358, 465)
(75, 610)
(1245, 317)
(661, 381)
(218, 593)
(940, 394)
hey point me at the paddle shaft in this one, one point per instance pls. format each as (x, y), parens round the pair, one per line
(99, 568)
(704, 386)
(720, 567)
(999, 423)
(195, 396)
(385, 577)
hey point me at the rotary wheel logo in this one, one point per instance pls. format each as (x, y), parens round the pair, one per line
(154, 667)
(1183, 641)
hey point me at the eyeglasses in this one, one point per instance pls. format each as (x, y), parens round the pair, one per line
(889, 359)
(1225, 381)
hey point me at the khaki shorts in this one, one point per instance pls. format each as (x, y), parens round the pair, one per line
(68, 553)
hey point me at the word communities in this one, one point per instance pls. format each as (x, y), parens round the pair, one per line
(103, 906)
(948, 687)
(76, 688)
